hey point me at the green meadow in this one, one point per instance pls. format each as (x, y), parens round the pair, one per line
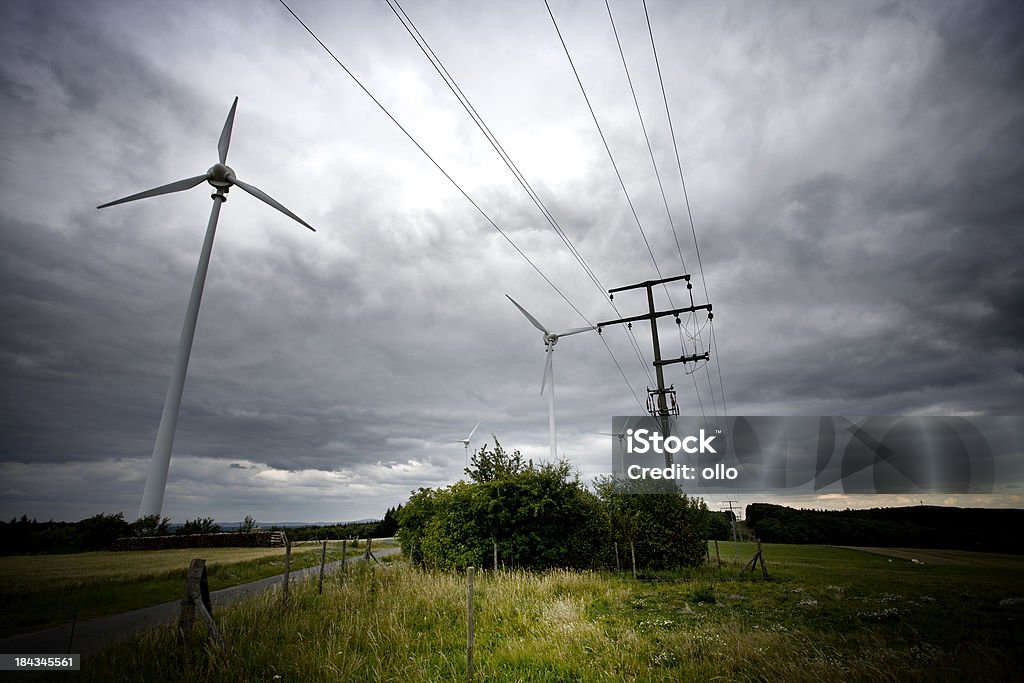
(824, 614)
(38, 591)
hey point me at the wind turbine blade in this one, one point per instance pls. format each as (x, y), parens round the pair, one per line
(536, 323)
(178, 186)
(472, 432)
(576, 330)
(263, 196)
(225, 135)
(547, 369)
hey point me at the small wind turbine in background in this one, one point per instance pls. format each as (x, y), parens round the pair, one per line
(221, 177)
(621, 436)
(617, 453)
(550, 339)
(465, 442)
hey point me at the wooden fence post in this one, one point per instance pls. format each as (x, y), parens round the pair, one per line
(369, 542)
(495, 555)
(617, 567)
(197, 596)
(718, 554)
(344, 550)
(323, 560)
(287, 567)
(632, 554)
(469, 623)
(758, 557)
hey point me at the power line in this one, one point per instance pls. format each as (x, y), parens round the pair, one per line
(618, 175)
(446, 76)
(675, 147)
(432, 160)
(450, 81)
(686, 198)
(650, 148)
(604, 140)
(661, 185)
(454, 183)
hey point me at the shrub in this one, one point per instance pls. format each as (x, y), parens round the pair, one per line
(539, 516)
(667, 528)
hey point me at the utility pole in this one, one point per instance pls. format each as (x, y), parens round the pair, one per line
(735, 540)
(662, 408)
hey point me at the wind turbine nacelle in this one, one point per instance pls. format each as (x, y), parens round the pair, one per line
(221, 175)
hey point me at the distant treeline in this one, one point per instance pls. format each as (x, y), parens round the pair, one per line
(94, 533)
(922, 526)
(384, 528)
(99, 532)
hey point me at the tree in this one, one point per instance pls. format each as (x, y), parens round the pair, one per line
(485, 466)
(247, 525)
(100, 531)
(199, 525)
(150, 525)
(389, 525)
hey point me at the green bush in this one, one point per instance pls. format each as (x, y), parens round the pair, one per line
(539, 516)
(667, 528)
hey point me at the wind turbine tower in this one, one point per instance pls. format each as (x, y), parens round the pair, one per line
(222, 178)
(550, 339)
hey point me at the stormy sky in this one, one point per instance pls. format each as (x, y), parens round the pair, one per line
(854, 174)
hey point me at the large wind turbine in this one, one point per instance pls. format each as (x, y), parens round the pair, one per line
(550, 339)
(465, 442)
(221, 177)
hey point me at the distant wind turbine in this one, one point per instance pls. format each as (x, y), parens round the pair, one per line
(621, 435)
(221, 177)
(465, 442)
(550, 339)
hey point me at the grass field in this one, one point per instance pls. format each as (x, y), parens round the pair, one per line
(42, 590)
(825, 614)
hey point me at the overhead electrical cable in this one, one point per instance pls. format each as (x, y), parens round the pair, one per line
(647, 138)
(446, 76)
(654, 165)
(686, 198)
(604, 140)
(449, 80)
(611, 157)
(433, 161)
(675, 147)
(454, 183)
(713, 346)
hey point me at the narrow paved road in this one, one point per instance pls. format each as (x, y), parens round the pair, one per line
(96, 633)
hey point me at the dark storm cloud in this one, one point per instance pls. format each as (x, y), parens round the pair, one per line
(920, 255)
(854, 173)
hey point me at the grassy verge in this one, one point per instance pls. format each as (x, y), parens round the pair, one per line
(826, 614)
(43, 590)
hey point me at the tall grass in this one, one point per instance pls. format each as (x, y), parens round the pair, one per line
(842, 616)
